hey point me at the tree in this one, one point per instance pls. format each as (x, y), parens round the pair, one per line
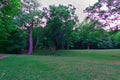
(93, 36)
(29, 18)
(89, 32)
(8, 10)
(38, 37)
(116, 38)
(60, 23)
(107, 12)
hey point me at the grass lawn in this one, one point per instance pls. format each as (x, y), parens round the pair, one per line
(66, 65)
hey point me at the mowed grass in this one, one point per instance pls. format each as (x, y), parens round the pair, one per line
(65, 65)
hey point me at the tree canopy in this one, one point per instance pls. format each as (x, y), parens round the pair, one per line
(29, 18)
(27, 27)
(60, 23)
(8, 10)
(107, 12)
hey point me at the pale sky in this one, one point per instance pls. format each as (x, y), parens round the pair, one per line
(79, 4)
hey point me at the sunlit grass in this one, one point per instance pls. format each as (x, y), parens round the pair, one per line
(65, 65)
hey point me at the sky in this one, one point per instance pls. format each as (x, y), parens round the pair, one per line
(79, 4)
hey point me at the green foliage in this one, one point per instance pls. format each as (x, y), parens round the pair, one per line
(10, 8)
(9, 34)
(93, 36)
(7, 13)
(30, 17)
(11, 44)
(39, 38)
(29, 13)
(116, 39)
(60, 32)
(59, 29)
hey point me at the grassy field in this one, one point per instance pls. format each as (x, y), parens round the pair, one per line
(66, 65)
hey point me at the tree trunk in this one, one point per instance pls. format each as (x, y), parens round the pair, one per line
(54, 49)
(68, 47)
(63, 47)
(88, 45)
(30, 41)
(36, 44)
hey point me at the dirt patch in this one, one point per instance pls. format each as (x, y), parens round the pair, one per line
(116, 56)
(2, 57)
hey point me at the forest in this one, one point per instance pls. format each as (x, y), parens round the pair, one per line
(24, 27)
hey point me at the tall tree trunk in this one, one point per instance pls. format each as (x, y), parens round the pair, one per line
(30, 41)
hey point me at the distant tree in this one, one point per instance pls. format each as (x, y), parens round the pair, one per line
(29, 18)
(38, 37)
(61, 21)
(92, 35)
(107, 12)
(116, 38)
(90, 31)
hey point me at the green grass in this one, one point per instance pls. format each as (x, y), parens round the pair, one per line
(65, 65)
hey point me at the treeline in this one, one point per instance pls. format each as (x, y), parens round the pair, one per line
(85, 36)
(22, 29)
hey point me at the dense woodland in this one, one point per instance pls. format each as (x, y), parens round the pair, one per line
(24, 27)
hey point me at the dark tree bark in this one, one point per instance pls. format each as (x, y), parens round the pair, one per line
(88, 45)
(36, 44)
(30, 51)
(55, 46)
(63, 47)
(30, 30)
(68, 47)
